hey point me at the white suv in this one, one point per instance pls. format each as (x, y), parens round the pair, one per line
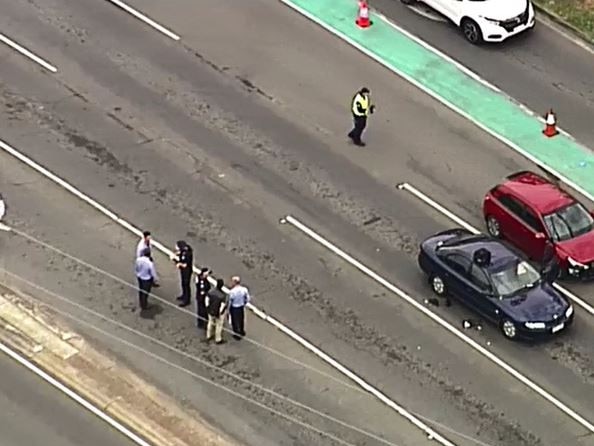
(486, 20)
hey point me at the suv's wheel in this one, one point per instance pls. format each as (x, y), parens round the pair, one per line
(509, 329)
(493, 227)
(438, 285)
(471, 30)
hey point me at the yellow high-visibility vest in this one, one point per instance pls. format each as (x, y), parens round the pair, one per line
(363, 101)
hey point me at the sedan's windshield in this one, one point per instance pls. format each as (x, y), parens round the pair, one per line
(515, 277)
(569, 222)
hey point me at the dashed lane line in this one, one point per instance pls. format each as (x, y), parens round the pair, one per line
(142, 17)
(28, 54)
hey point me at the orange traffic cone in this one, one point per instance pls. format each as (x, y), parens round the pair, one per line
(551, 125)
(363, 20)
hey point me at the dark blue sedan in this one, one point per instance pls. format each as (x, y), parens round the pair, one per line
(491, 279)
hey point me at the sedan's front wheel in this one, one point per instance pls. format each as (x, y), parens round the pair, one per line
(438, 285)
(472, 31)
(509, 330)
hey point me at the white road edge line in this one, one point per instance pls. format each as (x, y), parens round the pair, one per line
(442, 209)
(145, 19)
(440, 321)
(25, 52)
(73, 395)
(444, 101)
(417, 422)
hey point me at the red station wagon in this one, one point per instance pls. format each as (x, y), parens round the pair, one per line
(529, 211)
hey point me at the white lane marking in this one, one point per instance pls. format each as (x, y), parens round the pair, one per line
(417, 422)
(440, 321)
(442, 100)
(74, 396)
(438, 207)
(25, 52)
(145, 19)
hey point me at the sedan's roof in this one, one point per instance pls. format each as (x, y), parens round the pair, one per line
(501, 255)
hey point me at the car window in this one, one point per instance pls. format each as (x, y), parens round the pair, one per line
(569, 222)
(532, 220)
(522, 211)
(459, 263)
(514, 277)
(511, 204)
(479, 278)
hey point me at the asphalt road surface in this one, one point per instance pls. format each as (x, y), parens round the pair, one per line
(214, 139)
(541, 69)
(34, 413)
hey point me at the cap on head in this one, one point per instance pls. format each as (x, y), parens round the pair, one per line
(204, 270)
(180, 244)
(364, 90)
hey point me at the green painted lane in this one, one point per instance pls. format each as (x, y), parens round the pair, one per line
(488, 108)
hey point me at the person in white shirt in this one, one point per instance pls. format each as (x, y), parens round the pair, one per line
(144, 243)
(239, 297)
(146, 276)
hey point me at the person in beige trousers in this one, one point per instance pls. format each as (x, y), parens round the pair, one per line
(216, 306)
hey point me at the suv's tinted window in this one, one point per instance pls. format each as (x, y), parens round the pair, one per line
(532, 220)
(459, 263)
(512, 204)
(522, 211)
(479, 278)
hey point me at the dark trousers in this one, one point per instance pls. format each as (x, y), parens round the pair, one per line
(360, 124)
(186, 294)
(202, 315)
(144, 289)
(237, 321)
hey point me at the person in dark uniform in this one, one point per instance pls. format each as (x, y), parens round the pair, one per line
(184, 262)
(202, 289)
(361, 107)
(551, 268)
(216, 303)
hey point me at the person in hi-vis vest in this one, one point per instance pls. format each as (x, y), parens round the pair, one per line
(361, 107)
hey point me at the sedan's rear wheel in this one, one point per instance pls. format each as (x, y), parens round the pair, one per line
(438, 285)
(509, 329)
(471, 31)
(493, 227)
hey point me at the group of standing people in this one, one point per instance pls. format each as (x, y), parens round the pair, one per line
(213, 305)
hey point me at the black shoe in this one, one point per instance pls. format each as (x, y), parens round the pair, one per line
(360, 143)
(237, 337)
(222, 341)
(183, 304)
